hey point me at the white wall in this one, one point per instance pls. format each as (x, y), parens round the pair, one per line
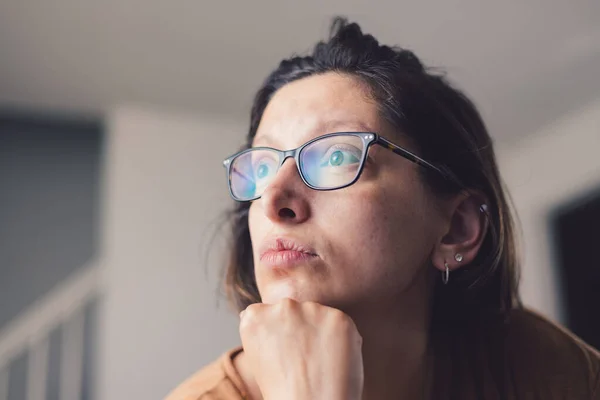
(164, 185)
(543, 171)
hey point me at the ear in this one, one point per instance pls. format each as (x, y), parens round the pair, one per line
(464, 233)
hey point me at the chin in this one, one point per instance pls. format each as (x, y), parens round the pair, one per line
(277, 291)
(274, 292)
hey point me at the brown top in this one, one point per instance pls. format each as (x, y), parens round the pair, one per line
(534, 359)
(217, 381)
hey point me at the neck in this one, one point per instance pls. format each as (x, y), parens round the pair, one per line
(394, 358)
(395, 345)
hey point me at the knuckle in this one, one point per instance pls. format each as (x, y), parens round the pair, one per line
(248, 316)
(338, 317)
(341, 321)
(252, 310)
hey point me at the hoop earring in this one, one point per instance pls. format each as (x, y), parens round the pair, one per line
(446, 274)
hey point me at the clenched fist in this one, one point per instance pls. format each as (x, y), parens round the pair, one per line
(302, 351)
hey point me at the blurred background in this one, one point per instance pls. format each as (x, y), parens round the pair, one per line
(115, 117)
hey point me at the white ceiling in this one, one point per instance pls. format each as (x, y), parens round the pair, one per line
(524, 62)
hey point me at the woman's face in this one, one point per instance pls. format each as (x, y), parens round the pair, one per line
(364, 243)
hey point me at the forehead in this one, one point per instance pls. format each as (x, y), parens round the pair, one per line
(316, 105)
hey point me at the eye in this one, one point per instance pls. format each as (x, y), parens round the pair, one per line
(337, 156)
(263, 170)
(264, 167)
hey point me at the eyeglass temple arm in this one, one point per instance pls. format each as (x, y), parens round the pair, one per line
(414, 158)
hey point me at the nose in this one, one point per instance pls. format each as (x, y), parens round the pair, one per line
(285, 200)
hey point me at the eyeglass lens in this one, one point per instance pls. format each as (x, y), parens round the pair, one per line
(327, 163)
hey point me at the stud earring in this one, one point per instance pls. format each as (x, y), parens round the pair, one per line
(458, 257)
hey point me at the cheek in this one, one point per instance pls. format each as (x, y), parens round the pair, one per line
(256, 225)
(385, 230)
(373, 222)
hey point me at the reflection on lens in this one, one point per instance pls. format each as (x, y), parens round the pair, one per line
(251, 172)
(332, 162)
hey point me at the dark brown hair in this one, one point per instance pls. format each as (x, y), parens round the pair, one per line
(447, 130)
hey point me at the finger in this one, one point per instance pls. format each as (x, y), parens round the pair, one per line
(250, 325)
(250, 313)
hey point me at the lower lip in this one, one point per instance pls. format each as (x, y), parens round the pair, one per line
(286, 258)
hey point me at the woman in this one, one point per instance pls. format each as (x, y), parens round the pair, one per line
(373, 247)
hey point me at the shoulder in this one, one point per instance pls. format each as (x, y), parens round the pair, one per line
(216, 381)
(543, 353)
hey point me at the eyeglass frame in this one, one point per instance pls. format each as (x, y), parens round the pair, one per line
(368, 138)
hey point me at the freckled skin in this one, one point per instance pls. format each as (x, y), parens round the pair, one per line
(374, 237)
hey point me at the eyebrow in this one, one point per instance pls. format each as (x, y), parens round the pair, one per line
(328, 126)
(324, 127)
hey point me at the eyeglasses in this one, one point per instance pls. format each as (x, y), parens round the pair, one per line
(329, 162)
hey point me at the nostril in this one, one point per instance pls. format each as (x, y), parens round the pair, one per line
(286, 213)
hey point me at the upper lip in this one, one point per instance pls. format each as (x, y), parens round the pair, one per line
(285, 244)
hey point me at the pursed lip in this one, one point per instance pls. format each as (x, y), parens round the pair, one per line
(285, 252)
